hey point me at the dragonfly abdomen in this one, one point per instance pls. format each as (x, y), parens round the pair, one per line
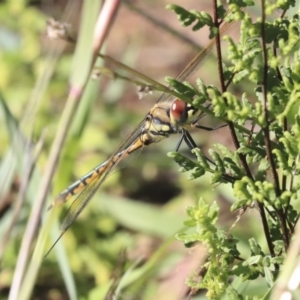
(78, 185)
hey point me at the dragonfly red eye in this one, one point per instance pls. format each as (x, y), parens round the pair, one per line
(178, 111)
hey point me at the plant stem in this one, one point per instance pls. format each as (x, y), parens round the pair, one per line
(266, 129)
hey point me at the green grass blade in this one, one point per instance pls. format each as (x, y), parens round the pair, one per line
(83, 55)
(89, 10)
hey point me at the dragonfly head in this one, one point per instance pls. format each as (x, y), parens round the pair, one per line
(182, 113)
(165, 119)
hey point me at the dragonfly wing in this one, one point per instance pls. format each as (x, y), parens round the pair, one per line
(83, 183)
(87, 188)
(82, 200)
(196, 62)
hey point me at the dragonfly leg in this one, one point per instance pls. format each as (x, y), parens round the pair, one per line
(179, 142)
(191, 143)
(209, 128)
(187, 138)
(195, 123)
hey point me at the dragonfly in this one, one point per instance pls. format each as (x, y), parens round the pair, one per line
(170, 115)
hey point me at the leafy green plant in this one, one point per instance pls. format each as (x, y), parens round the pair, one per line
(263, 169)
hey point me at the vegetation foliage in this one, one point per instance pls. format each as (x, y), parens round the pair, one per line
(263, 166)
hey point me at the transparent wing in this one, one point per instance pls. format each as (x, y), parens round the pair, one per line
(85, 188)
(188, 70)
(85, 192)
(196, 62)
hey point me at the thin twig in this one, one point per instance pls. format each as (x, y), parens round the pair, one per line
(266, 129)
(224, 87)
(279, 76)
(233, 133)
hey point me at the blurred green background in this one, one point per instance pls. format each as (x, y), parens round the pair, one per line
(140, 207)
